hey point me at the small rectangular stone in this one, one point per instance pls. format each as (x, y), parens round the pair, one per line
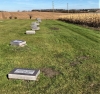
(35, 23)
(38, 28)
(18, 43)
(39, 20)
(25, 74)
(30, 32)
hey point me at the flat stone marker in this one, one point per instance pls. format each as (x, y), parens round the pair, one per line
(34, 27)
(25, 74)
(30, 32)
(35, 23)
(18, 43)
(39, 20)
(38, 28)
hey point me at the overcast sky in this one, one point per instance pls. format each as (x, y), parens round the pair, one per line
(15, 5)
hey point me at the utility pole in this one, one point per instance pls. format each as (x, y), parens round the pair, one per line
(67, 8)
(53, 6)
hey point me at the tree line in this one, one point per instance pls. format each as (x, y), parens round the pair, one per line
(67, 11)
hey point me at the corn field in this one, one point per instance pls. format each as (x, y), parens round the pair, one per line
(88, 19)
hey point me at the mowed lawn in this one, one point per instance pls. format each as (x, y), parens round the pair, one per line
(67, 55)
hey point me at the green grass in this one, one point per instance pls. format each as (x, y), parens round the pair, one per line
(72, 51)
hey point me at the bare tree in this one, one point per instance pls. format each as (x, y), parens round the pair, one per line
(30, 16)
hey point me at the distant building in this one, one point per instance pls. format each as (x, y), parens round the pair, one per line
(98, 11)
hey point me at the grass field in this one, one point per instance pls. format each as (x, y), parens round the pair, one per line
(67, 55)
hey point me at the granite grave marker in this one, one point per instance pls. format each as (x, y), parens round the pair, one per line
(30, 32)
(25, 74)
(18, 43)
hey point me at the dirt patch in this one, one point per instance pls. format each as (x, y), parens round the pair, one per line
(54, 28)
(78, 60)
(81, 58)
(75, 63)
(49, 72)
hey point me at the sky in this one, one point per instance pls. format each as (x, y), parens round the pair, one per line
(28, 5)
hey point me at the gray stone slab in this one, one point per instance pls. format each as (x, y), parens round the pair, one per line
(18, 43)
(38, 28)
(34, 26)
(35, 23)
(25, 74)
(39, 20)
(30, 32)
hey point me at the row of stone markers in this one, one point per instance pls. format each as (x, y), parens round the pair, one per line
(34, 27)
(25, 73)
